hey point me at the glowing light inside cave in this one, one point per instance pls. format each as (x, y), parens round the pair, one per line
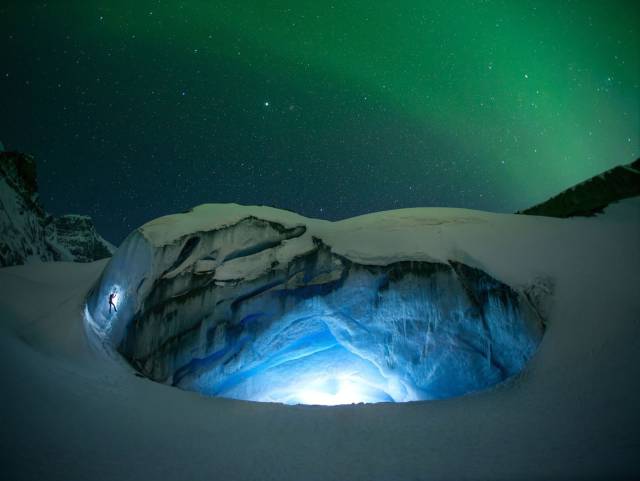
(379, 334)
(326, 374)
(345, 390)
(101, 320)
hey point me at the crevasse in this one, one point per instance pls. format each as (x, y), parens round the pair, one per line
(264, 311)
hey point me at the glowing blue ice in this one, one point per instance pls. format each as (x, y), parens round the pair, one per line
(319, 329)
(418, 338)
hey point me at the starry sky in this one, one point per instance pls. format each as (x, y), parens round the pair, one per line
(332, 109)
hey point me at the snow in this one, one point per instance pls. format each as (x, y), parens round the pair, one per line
(429, 234)
(70, 412)
(207, 217)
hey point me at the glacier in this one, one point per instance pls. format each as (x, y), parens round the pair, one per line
(261, 304)
(73, 412)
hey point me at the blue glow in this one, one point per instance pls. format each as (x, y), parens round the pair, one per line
(118, 296)
(319, 331)
(421, 339)
(125, 274)
(108, 314)
(324, 374)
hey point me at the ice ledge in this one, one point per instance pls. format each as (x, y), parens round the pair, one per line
(209, 217)
(420, 234)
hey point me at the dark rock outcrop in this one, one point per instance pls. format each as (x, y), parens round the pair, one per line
(76, 238)
(28, 233)
(592, 196)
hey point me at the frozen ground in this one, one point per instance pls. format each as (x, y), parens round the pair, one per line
(69, 411)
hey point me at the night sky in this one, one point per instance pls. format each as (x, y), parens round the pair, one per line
(136, 109)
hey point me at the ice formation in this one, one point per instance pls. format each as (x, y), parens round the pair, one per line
(261, 304)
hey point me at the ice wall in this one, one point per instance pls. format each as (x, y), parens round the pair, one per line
(265, 310)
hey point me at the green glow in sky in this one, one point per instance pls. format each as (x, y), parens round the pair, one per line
(546, 91)
(486, 104)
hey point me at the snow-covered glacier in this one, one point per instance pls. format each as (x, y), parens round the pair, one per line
(262, 304)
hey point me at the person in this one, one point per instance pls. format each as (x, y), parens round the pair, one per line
(112, 297)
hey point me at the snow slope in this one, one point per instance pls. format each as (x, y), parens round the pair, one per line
(72, 411)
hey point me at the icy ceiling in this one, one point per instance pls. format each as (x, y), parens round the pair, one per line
(261, 311)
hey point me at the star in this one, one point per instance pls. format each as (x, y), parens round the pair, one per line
(266, 104)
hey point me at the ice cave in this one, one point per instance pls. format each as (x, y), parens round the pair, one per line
(263, 305)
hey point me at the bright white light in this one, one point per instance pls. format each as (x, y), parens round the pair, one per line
(346, 390)
(117, 295)
(347, 394)
(327, 377)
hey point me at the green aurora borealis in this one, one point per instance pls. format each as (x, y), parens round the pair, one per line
(330, 109)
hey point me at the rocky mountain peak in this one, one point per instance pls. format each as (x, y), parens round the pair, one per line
(28, 233)
(592, 196)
